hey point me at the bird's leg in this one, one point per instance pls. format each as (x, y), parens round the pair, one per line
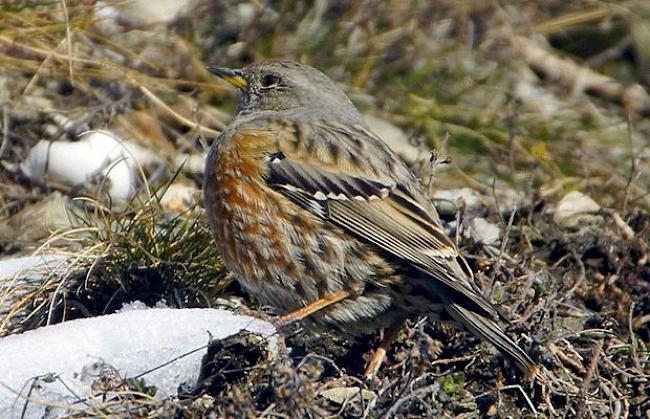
(311, 308)
(390, 334)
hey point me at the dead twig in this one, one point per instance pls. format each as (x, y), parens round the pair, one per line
(634, 172)
(5, 131)
(565, 359)
(633, 344)
(68, 40)
(531, 406)
(591, 368)
(180, 118)
(580, 78)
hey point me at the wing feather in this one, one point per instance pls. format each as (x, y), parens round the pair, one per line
(393, 220)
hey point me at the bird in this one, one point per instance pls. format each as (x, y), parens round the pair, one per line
(316, 216)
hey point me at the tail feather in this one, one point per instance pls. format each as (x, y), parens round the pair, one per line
(488, 330)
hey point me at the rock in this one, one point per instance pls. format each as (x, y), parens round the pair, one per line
(247, 13)
(483, 231)
(574, 208)
(179, 197)
(5, 92)
(640, 34)
(446, 209)
(38, 220)
(464, 196)
(340, 394)
(492, 410)
(396, 139)
(99, 162)
(138, 13)
(509, 200)
(534, 97)
(193, 164)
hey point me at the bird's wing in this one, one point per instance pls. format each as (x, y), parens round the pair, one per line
(382, 210)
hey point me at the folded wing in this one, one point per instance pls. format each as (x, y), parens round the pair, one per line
(381, 213)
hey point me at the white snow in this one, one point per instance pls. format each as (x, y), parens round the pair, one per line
(29, 264)
(131, 342)
(20, 275)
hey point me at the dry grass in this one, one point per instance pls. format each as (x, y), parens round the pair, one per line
(144, 254)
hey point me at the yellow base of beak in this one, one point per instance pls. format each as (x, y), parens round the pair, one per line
(233, 77)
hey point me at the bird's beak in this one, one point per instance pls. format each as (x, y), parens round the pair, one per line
(234, 77)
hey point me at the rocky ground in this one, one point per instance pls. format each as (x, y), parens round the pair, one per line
(539, 116)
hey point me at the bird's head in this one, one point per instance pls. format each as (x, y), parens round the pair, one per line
(287, 86)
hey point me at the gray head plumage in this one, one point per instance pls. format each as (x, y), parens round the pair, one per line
(288, 86)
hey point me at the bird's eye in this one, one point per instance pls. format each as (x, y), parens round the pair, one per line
(270, 80)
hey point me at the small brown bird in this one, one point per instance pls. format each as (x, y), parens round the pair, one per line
(315, 215)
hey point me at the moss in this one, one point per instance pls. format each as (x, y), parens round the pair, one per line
(453, 385)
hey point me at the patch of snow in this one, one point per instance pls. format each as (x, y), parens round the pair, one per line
(69, 356)
(161, 304)
(133, 306)
(29, 264)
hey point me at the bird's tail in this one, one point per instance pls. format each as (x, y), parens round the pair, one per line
(488, 330)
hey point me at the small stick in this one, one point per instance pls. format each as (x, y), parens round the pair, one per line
(521, 390)
(591, 368)
(5, 131)
(180, 118)
(68, 39)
